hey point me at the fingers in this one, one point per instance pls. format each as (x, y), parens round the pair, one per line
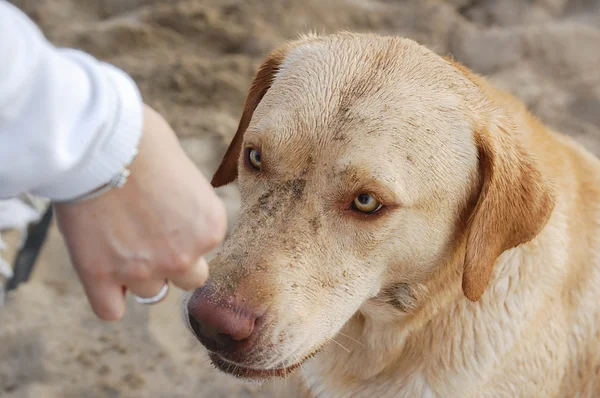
(146, 281)
(146, 289)
(192, 278)
(106, 294)
(107, 298)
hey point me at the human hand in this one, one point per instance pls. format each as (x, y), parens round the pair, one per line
(156, 227)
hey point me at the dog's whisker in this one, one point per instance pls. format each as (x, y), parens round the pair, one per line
(305, 378)
(285, 376)
(351, 338)
(336, 342)
(281, 388)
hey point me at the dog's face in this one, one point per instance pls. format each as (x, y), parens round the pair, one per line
(358, 165)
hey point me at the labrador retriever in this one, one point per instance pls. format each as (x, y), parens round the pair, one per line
(406, 230)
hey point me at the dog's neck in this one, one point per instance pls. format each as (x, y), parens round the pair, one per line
(382, 326)
(384, 345)
(374, 341)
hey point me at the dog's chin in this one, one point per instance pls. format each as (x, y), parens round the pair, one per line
(255, 375)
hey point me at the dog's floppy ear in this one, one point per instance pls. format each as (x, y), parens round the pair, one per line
(514, 204)
(227, 171)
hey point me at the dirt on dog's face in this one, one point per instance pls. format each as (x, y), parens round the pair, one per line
(355, 169)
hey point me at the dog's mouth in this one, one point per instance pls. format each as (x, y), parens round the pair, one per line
(256, 374)
(244, 372)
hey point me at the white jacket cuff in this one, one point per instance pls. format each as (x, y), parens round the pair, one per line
(120, 142)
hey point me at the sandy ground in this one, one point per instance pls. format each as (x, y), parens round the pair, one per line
(193, 60)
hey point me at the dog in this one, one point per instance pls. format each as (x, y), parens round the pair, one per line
(406, 229)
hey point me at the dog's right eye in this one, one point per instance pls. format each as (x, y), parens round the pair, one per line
(253, 158)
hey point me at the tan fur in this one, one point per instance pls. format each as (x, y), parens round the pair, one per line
(479, 278)
(227, 171)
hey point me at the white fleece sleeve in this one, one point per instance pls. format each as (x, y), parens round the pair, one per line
(68, 122)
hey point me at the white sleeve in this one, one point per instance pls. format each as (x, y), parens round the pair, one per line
(68, 123)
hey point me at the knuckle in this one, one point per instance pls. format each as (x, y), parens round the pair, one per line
(208, 242)
(97, 271)
(215, 229)
(178, 262)
(138, 270)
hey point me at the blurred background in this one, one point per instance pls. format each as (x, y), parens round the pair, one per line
(193, 61)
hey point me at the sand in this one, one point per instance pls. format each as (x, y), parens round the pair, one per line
(193, 61)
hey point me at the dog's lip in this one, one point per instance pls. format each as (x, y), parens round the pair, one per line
(245, 372)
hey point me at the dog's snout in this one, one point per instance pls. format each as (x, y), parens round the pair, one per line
(221, 325)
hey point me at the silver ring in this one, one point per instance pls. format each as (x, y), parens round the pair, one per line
(154, 299)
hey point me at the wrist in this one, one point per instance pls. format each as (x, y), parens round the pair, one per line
(118, 181)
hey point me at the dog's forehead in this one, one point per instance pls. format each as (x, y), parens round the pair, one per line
(359, 83)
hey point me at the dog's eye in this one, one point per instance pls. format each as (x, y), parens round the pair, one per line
(254, 158)
(366, 203)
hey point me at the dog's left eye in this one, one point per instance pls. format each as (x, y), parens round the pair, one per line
(366, 203)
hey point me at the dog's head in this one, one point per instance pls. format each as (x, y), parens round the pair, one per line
(362, 162)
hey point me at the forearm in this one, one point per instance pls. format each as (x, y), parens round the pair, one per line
(68, 123)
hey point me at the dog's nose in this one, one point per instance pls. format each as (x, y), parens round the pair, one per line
(221, 325)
